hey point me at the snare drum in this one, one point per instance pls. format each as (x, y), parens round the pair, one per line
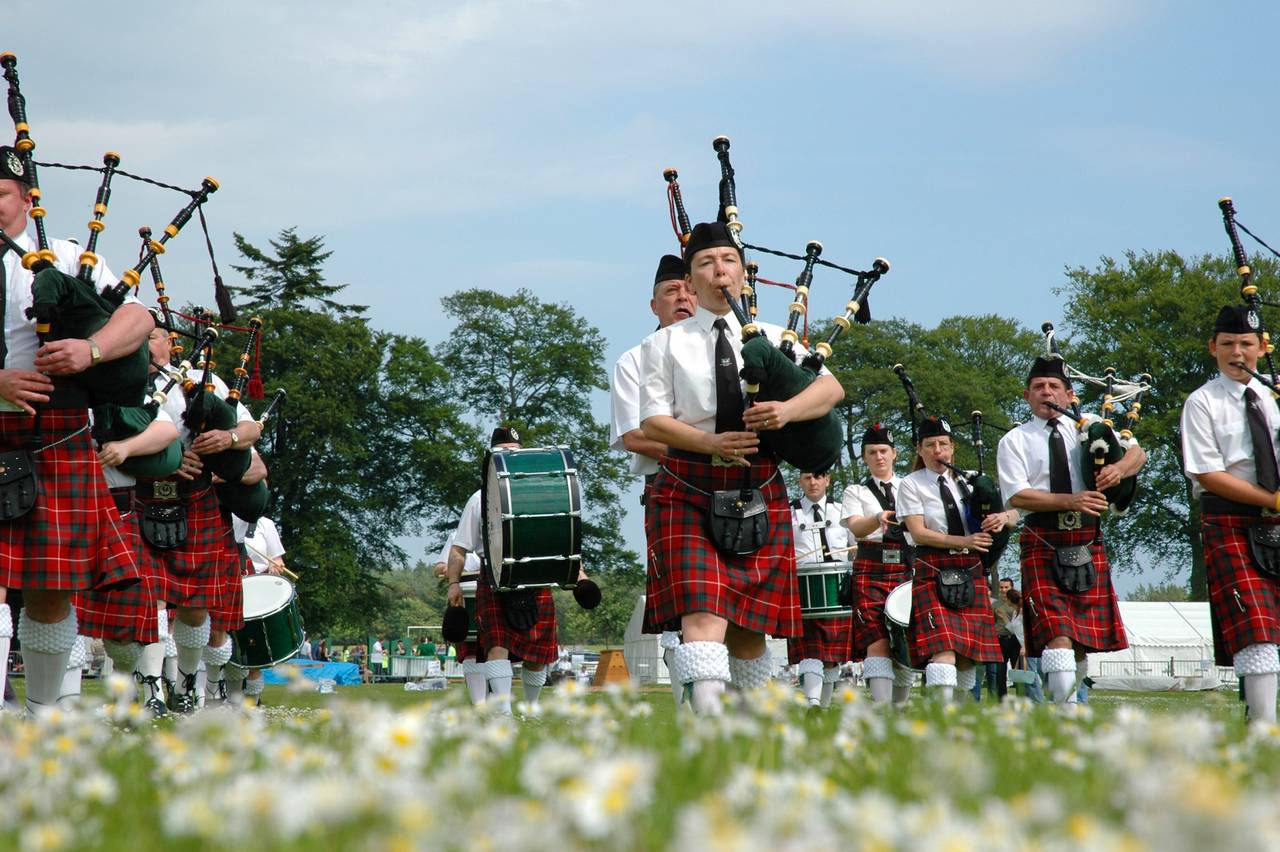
(897, 618)
(820, 589)
(531, 513)
(272, 631)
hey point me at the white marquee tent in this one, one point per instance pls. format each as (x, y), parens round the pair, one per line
(1170, 647)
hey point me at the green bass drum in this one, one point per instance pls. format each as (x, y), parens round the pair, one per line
(531, 514)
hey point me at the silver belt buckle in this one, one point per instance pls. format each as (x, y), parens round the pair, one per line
(721, 461)
(1270, 513)
(890, 555)
(164, 490)
(1068, 520)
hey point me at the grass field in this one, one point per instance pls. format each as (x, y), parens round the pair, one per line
(375, 767)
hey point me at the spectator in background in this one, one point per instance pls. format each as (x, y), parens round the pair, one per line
(377, 659)
(322, 651)
(1035, 689)
(427, 647)
(400, 651)
(1010, 647)
(305, 652)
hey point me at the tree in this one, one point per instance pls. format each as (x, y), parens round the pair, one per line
(1163, 592)
(1154, 312)
(374, 442)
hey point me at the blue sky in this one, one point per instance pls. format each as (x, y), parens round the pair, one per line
(981, 147)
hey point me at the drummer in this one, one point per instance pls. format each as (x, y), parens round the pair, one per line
(952, 625)
(265, 552)
(883, 564)
(500, 640)
(467, 651)
(820, 538)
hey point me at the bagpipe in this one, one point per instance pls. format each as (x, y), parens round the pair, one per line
(770, 373)
(1249, 290)
(71, 306)
(982, 494)
(1101, 444)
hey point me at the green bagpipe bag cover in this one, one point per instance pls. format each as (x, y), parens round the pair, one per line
(205, 411)
(247, 502)
(808, 445)
(118, 422)
(77, 310)
(1101, 447)
(983, 500)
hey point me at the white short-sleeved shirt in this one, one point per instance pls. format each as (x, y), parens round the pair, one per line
(677, 368)
(1215, 429)
(919, 495)
(624, 399)
(175, 403)
(1022, 457)
(468, 535)
(263, 544)
(809, 530)
(472, 563)
(858, 501)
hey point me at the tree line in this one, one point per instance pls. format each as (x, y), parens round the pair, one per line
(383, 435)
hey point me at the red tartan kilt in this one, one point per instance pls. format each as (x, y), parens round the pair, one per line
(72, 540)
(758, 593)
(1244, 603)
(872, 583)
(129, 614)
(536, 646)
(229, 615)
(827, 639)
(1091, 619)
(969, 632)
(467, 649)
(193, 575)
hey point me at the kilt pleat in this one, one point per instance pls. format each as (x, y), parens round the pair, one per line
(969, 632)
(872, 583)
(1090, 619)
(826, 639)
(1244, 603)
(193, 575)
(687, 574)
(536, 646)
(129, 614)
(72, 539)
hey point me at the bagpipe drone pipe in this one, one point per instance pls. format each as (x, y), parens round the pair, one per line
(71, 306)
(1101, 443)
(981, 491)
(1249, 290)
(770, 373)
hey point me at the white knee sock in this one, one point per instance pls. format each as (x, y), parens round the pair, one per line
(706, 666)
(191, 642)
(903, 679)
(533, 681)
(498, 674)
(1258, 665)
(750, 674)
(150, 668)
(473, 675)
(878, 672)
(123, 655)
(6, 641)
(253, 688)
(69, 694)
(965, 680)
(810, 672)
(940, 680)
(830, 677)
(1059, 666)
(669, 657)
(233, 676)
(46, 649)
(215, 661)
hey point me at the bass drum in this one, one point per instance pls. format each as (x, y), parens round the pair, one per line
(897, 618)
(531, 514)
(273, 630)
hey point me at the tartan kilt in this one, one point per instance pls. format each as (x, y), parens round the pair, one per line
(969, 632)
(229, 614)
(1091, 619)
(536, 646)
(462, 650)
(687, 574)
(192, 575)
(827, 639)
(72, 539)
(129, 614)
(1244, 603)
(872, 583)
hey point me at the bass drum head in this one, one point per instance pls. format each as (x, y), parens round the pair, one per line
(265, 594)
(491, 508)
(897, 606)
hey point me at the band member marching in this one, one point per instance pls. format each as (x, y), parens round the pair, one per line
(1068, 604)
(1229, 451)
(723, 594)
(883, 563)
(952, 625)
(672, 301)
(827, 642)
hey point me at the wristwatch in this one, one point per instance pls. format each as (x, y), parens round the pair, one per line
(235, 439)
(95, 354)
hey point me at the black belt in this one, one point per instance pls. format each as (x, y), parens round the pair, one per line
(123, 498)
(1060, 521)
(67, 395)
(1212, 504)
(689, 456)
(922, 552)
(168, 490)
(875, 551)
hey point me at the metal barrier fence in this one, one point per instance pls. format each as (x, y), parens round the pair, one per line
(1171, 667)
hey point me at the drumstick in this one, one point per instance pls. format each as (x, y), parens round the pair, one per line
(833, 552)
(273, 561)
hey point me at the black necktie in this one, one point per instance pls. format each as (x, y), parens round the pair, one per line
(955, 524)
(729, 400)
(4, 301)
(1059, 472)
(1264, 454)
(822, 534)
(893, 533)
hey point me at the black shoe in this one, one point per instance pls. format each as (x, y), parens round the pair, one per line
(187, 701)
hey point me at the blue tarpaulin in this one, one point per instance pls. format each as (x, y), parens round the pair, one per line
(343, 674)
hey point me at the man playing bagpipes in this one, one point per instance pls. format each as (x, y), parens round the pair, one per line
(64, 536)
(188, 530)
(883, 563)
(672, 301)
(503, 625)
(1229, 452)
(827, 643)
(725, 589)
(1069, 606)
(952, 626)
